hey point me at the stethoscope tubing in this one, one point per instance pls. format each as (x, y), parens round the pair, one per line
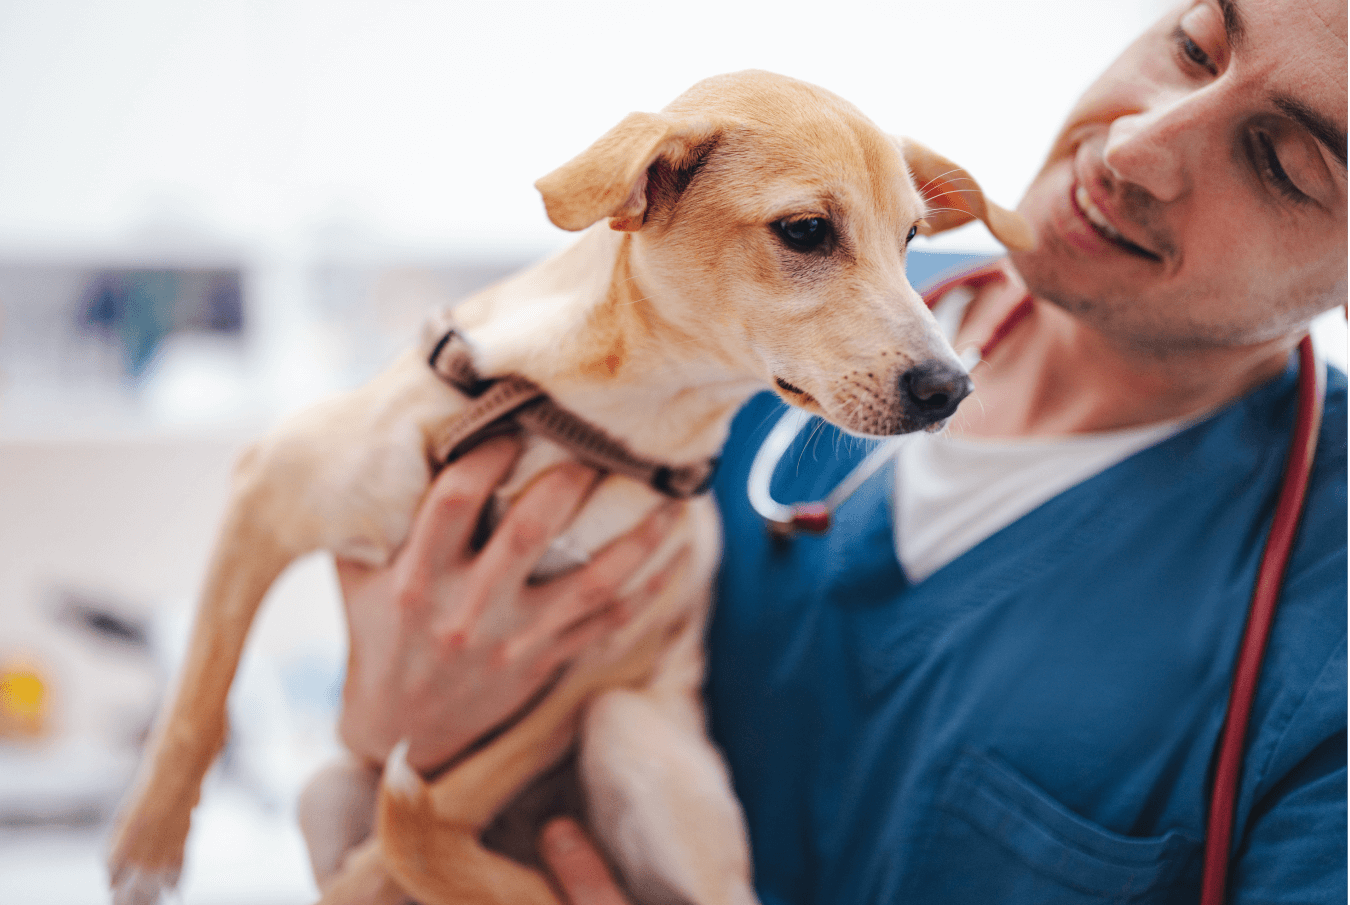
(1260, 616)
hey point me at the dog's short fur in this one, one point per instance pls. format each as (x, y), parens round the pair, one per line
(656, 327)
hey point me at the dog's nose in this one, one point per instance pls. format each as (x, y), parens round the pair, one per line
(932, 390)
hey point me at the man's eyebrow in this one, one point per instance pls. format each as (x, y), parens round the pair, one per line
(1233, 25)
(1322, 129)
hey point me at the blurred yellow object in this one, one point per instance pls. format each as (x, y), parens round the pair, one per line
(23, 700)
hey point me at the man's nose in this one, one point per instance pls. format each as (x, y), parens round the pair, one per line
(1149, 148)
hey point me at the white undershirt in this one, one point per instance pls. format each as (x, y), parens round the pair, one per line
(952, 493)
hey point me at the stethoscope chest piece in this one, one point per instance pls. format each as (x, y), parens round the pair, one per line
(785, 521)
(807, 518)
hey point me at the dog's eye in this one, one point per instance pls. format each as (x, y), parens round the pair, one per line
(913, 231)
(806, 234)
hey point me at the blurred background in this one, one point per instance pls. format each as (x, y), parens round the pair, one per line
(212, 213)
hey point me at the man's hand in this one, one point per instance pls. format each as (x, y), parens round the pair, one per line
(576, 865)
(447, 642)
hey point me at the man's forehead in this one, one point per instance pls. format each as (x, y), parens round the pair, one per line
(1330, 14)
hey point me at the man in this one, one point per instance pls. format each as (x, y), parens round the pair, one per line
(1036, 722)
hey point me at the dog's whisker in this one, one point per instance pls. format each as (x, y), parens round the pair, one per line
(816, 427)
(974, 191)
(949, 178)
(639, 301)
(938, 177)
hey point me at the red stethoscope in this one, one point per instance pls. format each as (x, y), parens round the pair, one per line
(785, 520)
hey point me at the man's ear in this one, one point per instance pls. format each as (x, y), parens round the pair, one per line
(609, 179)
(955, 198)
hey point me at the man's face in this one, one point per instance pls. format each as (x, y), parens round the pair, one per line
(1197, 194)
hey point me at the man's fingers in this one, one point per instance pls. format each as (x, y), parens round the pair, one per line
(520, 540)
(450, 511)
(577, 636)
(577, 866)
(577, 597)
(655, 585)
(600, 579)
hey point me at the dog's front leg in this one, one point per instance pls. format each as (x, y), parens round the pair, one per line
(148, 841)
(658, 793)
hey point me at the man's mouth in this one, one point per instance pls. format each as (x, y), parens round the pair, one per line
(1097, 220)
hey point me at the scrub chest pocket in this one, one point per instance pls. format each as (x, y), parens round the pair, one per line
(998, 838)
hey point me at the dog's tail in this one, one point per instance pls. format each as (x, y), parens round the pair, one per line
(439, 860)
(429, 834)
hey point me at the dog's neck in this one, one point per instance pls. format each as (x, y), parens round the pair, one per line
(590, 328)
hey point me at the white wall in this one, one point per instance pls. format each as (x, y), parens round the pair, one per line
(425, 123)
(280, 132)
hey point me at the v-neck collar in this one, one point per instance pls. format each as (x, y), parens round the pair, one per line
(863, 577)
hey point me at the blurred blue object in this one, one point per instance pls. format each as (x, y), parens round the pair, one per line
(139, 308)
(925, 268)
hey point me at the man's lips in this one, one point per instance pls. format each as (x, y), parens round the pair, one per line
(1093, 216)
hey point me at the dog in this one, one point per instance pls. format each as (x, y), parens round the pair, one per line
(754, 237)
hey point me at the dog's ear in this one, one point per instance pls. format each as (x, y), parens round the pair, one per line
(955, 198)
(609, 179)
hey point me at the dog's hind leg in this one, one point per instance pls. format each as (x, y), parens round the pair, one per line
(658, 793)
(151, 831)
(363, 880)
(430, 835)
(337, 812)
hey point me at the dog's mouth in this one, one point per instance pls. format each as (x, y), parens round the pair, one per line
(799, 396)
(869, 415)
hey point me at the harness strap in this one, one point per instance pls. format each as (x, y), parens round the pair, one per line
(499, 403)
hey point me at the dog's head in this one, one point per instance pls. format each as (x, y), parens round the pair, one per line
(780, 216)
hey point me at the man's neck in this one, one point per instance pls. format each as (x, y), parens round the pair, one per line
(1055, 375)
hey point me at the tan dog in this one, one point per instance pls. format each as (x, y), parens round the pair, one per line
(756, 238)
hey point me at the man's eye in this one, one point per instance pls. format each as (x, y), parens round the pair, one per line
(806, 234)
(1268, 163)
(1192, 52)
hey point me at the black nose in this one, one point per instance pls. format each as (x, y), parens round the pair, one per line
(934, 389)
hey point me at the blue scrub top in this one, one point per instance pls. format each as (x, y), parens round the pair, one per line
(1037, 721)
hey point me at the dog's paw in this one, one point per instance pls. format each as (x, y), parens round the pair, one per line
(146, 852)
(138, 886)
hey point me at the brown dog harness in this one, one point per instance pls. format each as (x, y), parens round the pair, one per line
(498, 405)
